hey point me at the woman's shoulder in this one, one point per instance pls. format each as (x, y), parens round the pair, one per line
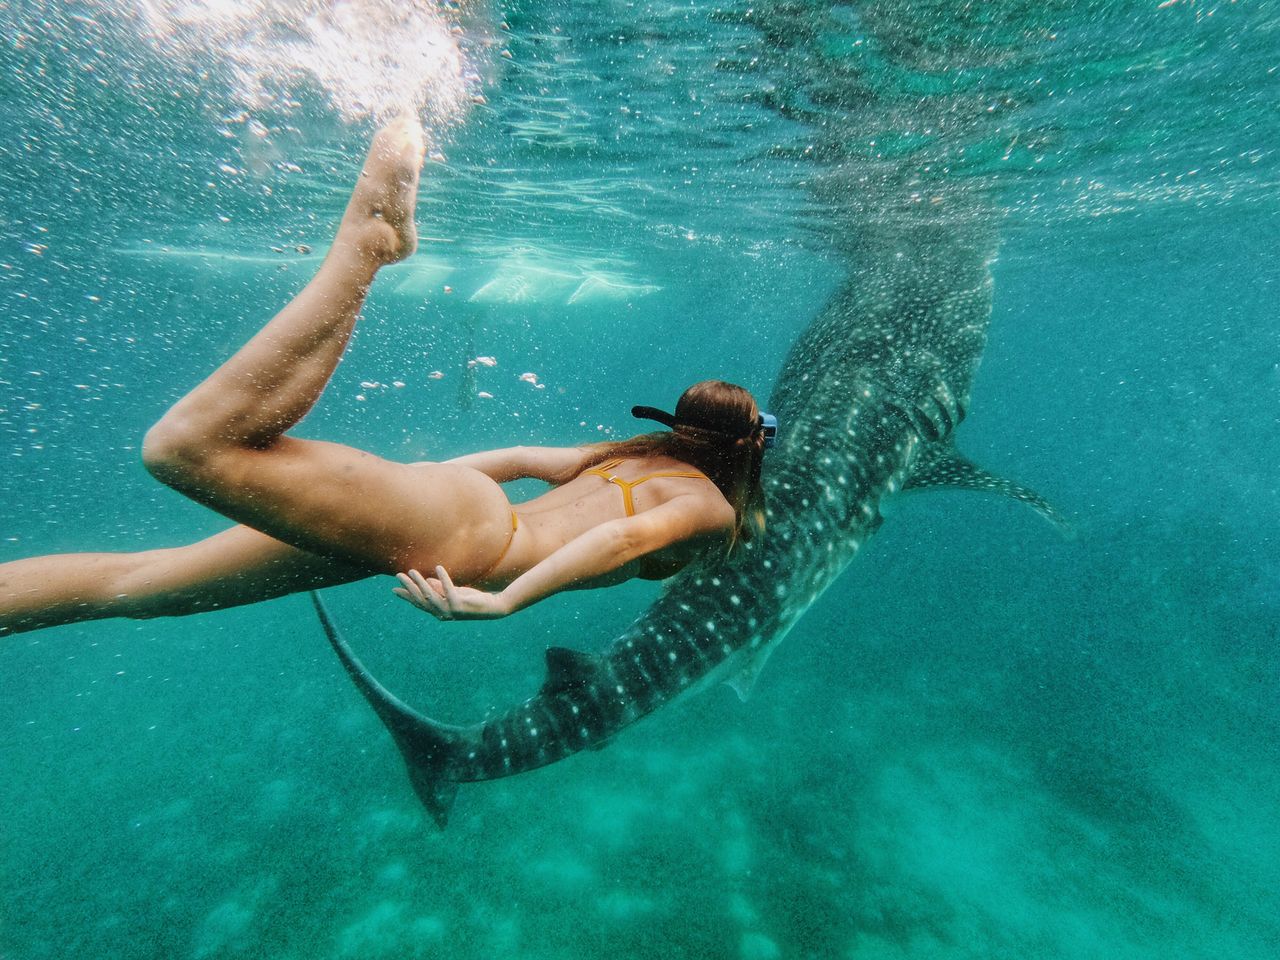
(661, 464)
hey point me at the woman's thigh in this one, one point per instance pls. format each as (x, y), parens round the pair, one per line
(344, 504)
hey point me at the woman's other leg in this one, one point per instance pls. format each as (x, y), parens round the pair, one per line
(234, 567)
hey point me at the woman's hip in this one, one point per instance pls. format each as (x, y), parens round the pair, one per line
(466, 521)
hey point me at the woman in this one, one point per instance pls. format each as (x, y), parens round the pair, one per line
(313, 514)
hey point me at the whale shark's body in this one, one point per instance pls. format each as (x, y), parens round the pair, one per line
(867, 402)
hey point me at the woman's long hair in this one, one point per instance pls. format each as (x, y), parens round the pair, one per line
(717, 431)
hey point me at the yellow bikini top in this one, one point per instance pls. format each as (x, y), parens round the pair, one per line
(628, 485)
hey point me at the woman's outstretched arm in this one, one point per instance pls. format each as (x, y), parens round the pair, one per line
(588, 560)
(554, 465)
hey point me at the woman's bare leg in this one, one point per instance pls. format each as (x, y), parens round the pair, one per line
(276, 378)
(224, 445)
(320, 513)
(234, 567)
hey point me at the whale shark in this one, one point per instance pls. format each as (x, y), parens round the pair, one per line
(868, 401)
(881, 107)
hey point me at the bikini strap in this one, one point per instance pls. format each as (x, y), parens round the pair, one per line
(515, 525)
(601, 469)
(628, 502)
(671, 473)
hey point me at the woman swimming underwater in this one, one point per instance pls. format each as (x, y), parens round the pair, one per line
(312, 514)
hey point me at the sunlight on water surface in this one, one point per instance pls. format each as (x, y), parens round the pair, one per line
(371, 58)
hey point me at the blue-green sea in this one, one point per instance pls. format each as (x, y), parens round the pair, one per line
(985, 740)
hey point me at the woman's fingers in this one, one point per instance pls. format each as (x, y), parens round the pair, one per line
(450, 591)
(414, 598)
(440, 597)
(423, 584)
(419, 591)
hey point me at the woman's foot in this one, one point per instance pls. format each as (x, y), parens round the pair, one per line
(378, 223)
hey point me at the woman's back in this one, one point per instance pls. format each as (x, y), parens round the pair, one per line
(646, 507)
(603, 493)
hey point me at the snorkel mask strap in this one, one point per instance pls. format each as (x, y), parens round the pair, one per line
(653, 413)
(767, 424)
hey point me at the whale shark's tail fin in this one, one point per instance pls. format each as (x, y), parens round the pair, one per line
(426, 745)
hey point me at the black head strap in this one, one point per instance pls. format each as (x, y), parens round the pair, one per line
(768, 423)
(653, 413)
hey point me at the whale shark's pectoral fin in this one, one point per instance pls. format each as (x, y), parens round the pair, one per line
(744, 681)
(567, 669)
(941, 465)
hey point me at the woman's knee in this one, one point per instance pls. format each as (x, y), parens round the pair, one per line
(174, 454)
(163, 447)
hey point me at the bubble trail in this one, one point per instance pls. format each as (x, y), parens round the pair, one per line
(371, 58)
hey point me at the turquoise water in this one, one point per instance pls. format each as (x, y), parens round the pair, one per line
(982, 741)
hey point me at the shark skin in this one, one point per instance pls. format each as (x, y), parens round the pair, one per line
(870, 393)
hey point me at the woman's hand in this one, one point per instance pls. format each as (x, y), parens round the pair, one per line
(439, 597)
